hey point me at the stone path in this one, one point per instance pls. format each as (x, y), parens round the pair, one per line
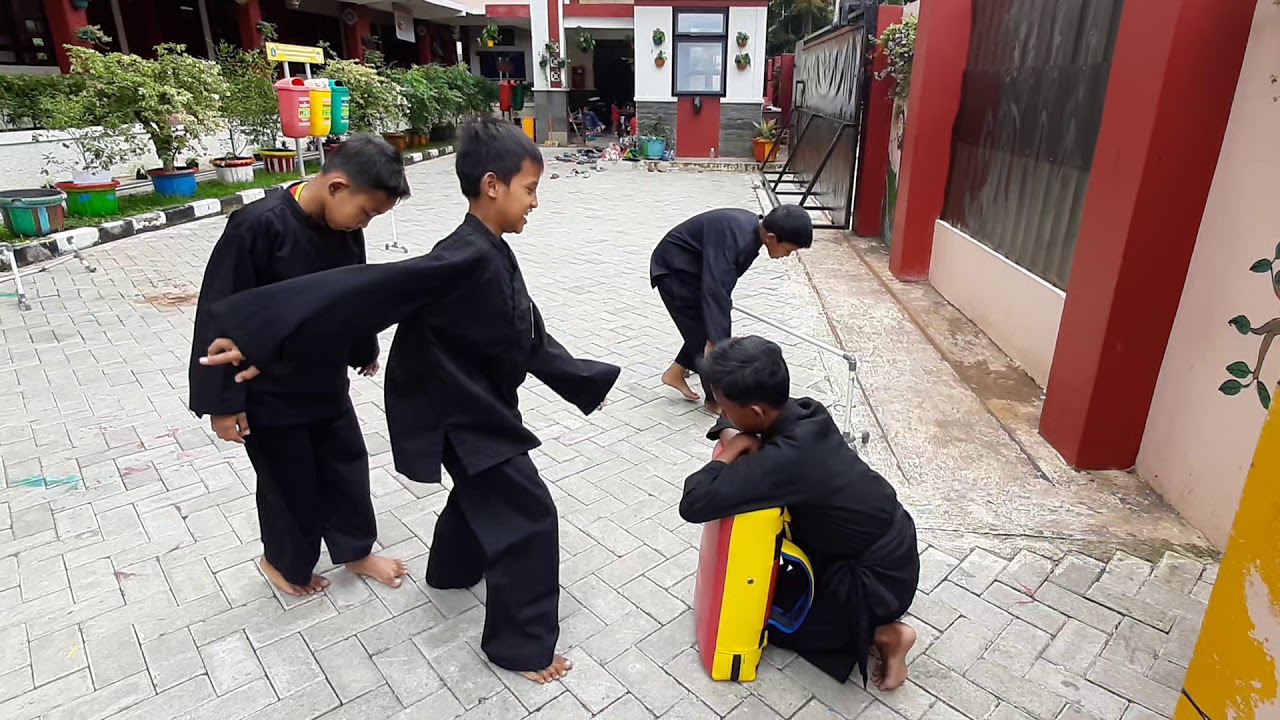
(128, 534)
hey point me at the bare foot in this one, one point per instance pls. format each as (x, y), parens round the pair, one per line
(893, 641)
(385, 570)
(558, 668)
(318, 583)
(675, 377)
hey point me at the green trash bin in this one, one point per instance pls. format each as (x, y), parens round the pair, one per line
(341, 107)
(517, 97)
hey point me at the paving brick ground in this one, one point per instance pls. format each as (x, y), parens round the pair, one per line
(128, 536)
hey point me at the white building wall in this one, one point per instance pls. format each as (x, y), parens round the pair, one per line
(653, 83)
(746, 86)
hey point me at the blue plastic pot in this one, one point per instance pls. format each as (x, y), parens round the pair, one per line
(180, 182)
(654, 147)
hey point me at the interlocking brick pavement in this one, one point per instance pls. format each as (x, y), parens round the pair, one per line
(128, 532)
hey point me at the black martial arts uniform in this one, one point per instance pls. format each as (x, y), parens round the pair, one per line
(304, 442)
(844, 516)
(695, 268)
(469, 335)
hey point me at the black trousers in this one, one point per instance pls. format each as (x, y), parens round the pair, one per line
(501, 525)
(684, 305)
(826, 638)
(313, 484)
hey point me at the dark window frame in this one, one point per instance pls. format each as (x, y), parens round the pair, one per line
(699, 38)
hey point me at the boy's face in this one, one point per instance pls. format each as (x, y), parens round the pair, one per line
(752, 419)
(348, 208)
(777, 248)
(514, 201)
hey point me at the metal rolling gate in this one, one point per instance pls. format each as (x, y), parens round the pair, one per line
(827, 131)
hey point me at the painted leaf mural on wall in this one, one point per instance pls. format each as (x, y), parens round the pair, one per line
(1242, 375)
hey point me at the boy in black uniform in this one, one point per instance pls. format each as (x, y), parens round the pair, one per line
(696, 266)
(306, 445)
(469, 335)
(844, 516)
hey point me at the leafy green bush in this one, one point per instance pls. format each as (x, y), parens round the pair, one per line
(250, 101)
(377, 104)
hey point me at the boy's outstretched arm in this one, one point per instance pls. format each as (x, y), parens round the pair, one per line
(325, 312)
(583, 383)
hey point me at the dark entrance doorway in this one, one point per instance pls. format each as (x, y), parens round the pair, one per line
(615, 77)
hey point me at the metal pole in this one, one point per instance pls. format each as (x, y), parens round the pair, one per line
(306, 67)
(796, 334)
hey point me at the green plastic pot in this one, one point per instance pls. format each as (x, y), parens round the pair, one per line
(91, 199)
(33, 213)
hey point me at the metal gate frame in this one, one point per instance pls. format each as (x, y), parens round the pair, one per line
(861, 13)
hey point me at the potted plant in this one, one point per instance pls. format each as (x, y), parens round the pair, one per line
(660, 59)
(653, 138)
(743, 39)
(377, 103)
(586, 43)
(175, 98)
(742, 60)
(34, 212)
(659, 36)
(765, 139)
(251, 109)
(489, 36)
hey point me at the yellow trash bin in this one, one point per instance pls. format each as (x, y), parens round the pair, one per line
(527, 124)
(321, 107)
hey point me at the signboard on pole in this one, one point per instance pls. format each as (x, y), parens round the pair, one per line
(403, 18)
(280, 52)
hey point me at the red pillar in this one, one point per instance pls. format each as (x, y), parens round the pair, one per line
(942, 52)
(868, 219)
(353, 35)
(1166, 112)
(786, 87)
(64, 21)
(248, 16)
(424, 36)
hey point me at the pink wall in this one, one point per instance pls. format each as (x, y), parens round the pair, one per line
(1198, 441)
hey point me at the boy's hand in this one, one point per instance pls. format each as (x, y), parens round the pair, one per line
(739, 445)
(232, 428)
(224, 351)
(728, 434)
(371, 369)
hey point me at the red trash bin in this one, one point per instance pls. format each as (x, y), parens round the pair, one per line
(505, 88)
(294, 97)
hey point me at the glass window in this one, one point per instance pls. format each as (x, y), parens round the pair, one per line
(700, 23)
(699, 47)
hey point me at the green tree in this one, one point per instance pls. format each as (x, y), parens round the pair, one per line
(791, 20)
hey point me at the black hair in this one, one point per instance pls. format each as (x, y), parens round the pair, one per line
(749, 371)
(491, 145)
(370, 163)
(791, 224)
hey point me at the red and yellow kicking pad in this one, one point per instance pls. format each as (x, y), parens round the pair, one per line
(733, 608)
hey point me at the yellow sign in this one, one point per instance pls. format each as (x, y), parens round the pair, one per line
(1234, 673)
(279, 52)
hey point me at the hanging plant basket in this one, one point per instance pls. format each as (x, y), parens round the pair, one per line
(743, 39)
(490, 34)
(743, 61)
(661, 59)
(659, 36)
(586, 43)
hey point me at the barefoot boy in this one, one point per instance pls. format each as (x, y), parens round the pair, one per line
(468, 336)
(845, 517)
(306, 446)
(696, 266)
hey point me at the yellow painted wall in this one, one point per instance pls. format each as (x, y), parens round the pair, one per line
(1234, 671)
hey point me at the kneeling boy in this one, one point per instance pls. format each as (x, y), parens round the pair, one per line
(780, 452)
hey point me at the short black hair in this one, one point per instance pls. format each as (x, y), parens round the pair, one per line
(791, 224)
(491, 145)
(749, 371)
(370, 163)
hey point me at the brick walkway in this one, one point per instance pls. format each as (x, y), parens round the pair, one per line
(128, 535)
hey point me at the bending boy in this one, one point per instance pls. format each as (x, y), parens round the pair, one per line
(780, 452)
(696, 266)
(469, 335)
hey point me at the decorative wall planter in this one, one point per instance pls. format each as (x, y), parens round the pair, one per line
(91, 199)
(33, 213)
(281, 161)
(234, 170)
(179, 182)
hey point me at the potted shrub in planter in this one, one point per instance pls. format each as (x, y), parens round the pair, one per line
(34, 212)
(175, 98)
(250, 106)
(653, 139)
(766, 137)
(489, 36)
(377, 104)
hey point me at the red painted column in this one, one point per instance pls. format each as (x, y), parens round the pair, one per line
(786, 88)
(1166, 112)
(248, 16)
(942, 52)
(553, 29)
(353, 35)
(64, 21)
(868, 202)
(424, 38)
